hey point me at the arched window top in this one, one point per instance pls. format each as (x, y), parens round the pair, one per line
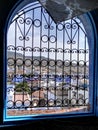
(26, 7)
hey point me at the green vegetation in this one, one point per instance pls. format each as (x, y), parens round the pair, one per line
(22, 87)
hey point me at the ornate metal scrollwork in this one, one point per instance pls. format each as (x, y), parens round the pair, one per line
(47, 63)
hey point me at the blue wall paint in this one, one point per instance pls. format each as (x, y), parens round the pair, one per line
(96, 74)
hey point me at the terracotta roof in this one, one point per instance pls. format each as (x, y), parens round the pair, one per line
(38, 94)
(20, 97)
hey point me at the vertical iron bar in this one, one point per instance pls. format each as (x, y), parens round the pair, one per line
(40, 53)
(85, 66)
(63, 88)
(48, 59)
(55, 60)
(70, 62)
(24, 37)
(15, 57)
(78, 64)
(32, 73)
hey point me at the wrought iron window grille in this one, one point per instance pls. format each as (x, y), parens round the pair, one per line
(47, 63)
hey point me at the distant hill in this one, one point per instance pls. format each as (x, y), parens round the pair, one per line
(11, 54)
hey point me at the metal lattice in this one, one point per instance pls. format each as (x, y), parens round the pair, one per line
(47, 63)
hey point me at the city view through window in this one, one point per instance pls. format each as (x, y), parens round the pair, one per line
(47, 64)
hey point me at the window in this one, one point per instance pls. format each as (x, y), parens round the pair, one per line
(50, 67)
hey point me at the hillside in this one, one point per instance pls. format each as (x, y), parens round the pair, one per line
(73, 67)
(11, 54)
